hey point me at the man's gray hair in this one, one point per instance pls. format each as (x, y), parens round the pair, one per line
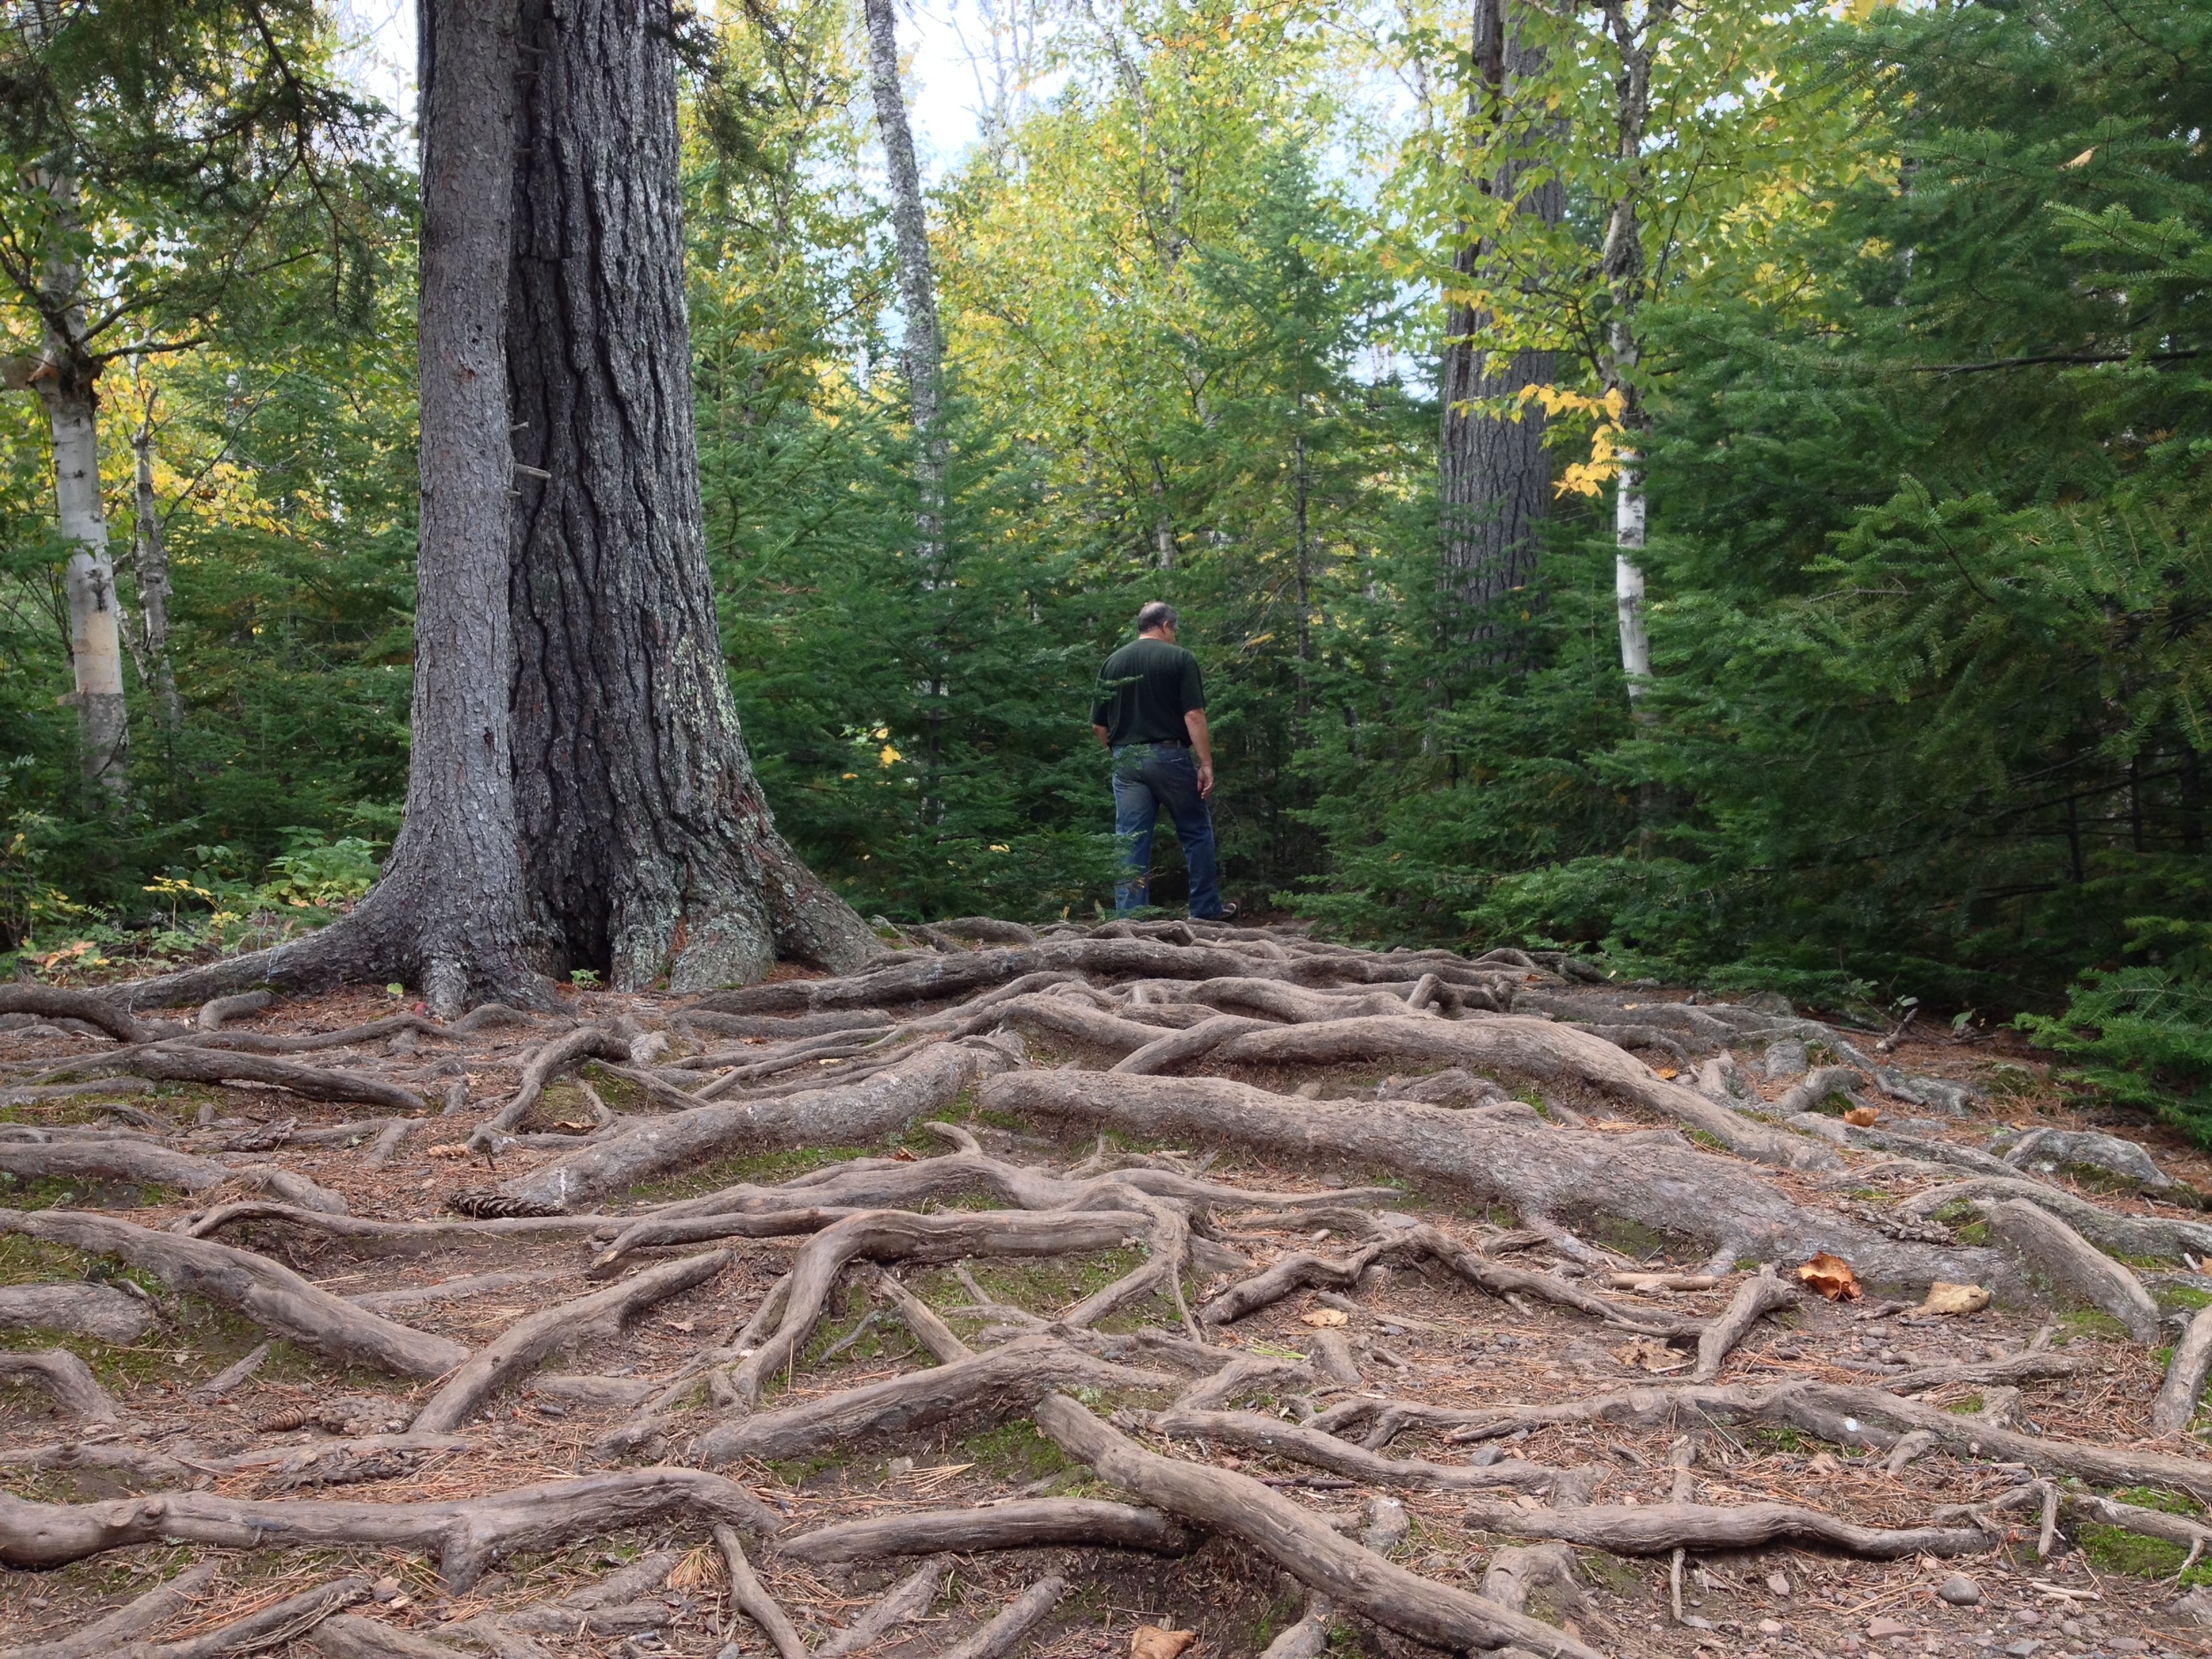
(1158, 614)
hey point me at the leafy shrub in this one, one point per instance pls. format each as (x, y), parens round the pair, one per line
(2142, 1032)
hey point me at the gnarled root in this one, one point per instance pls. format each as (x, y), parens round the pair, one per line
(1025, 1524)
(1654, 1529)
(1238, 1507)
(467, 1533)
(982, 1388)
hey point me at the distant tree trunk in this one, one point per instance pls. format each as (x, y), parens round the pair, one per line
(922, 352)
(648, 851)
(1621, 263)
(149, 567)
(1494, 478)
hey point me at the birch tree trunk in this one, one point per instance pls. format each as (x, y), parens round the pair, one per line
(648, 852)
(1622, 264)
(921, 351)
(1494, 478)
(95, 641)
(149, 567)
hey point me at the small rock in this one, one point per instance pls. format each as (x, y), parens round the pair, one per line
(1778, 1582)
(1771, 1627)
(1883, 1627)
(900, 1466)
(2022, 1648)
(2196, 1607)
(1697, 1623)
(1960, 1591)
(2027, 1615)
(2070, 1627)
(2127, 1644)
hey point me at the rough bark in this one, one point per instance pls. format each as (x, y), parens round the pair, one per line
(467, 1533)
(1494, 478)
(2055, 1255)
(1300, 1543)
(651, 854)
(1760, 1296)
(1025, 1524)
(274, 1297)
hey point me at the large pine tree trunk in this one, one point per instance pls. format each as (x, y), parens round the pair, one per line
(1493, 477)
(649, 853)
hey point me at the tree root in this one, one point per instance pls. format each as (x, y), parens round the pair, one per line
(528, 1341)
(1538, 1048)
(116, 1160)
(1254, 1431)
(1309, 1638)
(466, 1534)
(998, 1637)
(2130, 1235)
(67, 1379)
(908, 1598)
(1025, 1524)
(1299, 1543)
(1654, 1529)
(1867, 1418)
(985, 1388)
(1761, 1295)
(1654, 1181)
(540, 1067)
(269, 1627)
(147, 1612)
(167, 1063)
(274, 1297)
(2071, 1265)
(344, 1636)
(756, 1603)
(900, 1235)
(91, 1310)
(860, 1112)
(395, 1236)
(2176, 1406)
(52, 1002)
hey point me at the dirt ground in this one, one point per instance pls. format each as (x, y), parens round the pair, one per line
(1416, 1334)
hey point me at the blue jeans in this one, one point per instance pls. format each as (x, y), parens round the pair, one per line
(1148, 776)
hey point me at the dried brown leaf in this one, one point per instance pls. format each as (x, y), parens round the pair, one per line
(1149, 1641)
(1832, 1277)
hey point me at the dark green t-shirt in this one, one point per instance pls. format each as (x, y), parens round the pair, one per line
(1144, 691)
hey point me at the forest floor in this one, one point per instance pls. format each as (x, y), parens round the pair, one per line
(1410, 1371)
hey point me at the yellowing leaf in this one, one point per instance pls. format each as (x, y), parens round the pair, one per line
(1149, 1641)
(1326, 1319)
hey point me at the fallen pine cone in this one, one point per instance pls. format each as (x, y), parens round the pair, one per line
(486, 1204)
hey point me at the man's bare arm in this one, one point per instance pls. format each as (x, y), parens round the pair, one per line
(1201, 743)
(1104, 736)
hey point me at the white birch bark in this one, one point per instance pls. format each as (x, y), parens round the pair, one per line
(95, 641)
(1628, 574)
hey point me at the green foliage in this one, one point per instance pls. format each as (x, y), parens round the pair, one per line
(2142, 1032)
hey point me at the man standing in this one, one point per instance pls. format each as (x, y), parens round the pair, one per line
(1151, 715)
